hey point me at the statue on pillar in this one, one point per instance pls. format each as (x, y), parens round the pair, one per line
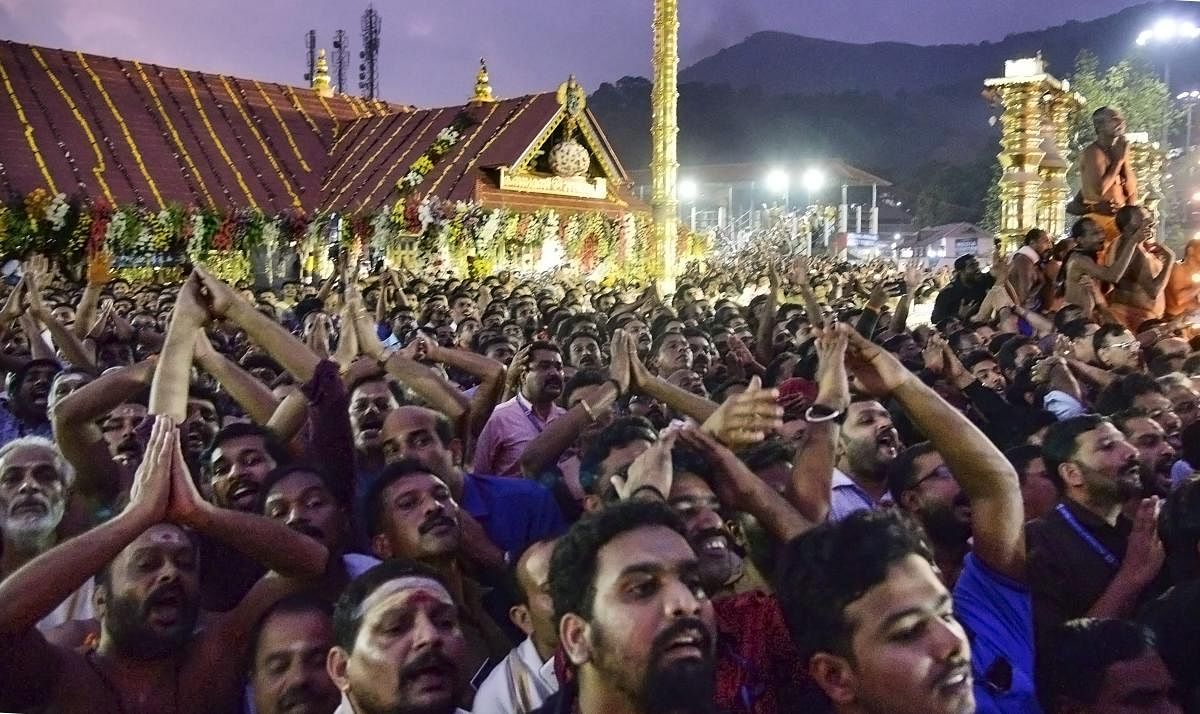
(1107, 180)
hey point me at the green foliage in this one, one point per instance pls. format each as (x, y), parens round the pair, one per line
(1129, 85)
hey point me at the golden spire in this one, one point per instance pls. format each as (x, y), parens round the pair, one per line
(320, 81)
(483, 85)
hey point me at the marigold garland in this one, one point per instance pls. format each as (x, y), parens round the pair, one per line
(212, 168)
(267, 151)
(217, 142)
(98, 169)
(287, 133)
(371, 160)
(49, 119)
(237, 137)
(296, 103)
(179, 145)
(359, 141)
(137, 156)
(179, 157)
(27, 129)
(464, 144)
(81, 85)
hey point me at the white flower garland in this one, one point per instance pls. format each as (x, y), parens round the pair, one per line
(56, 211)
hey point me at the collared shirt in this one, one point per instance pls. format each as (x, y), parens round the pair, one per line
(1181, 471)
(519, 684)
(1066, 574)
(513, 512)
(512, 426)
(848, 497)
(1062, 405)
(998, 615)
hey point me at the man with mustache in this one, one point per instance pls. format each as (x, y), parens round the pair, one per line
(399, 644)
(583, 351)
(670, 352)
(868, 442)
(35, 483)
(519, 420)
(1156, 455)
(514, 513)
(633, 617)
(288, 653)
(149, 657)
(1086, 558)
(96, 426)
(411, 514)
(238, 463)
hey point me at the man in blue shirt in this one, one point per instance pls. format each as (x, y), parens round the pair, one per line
(513, 512)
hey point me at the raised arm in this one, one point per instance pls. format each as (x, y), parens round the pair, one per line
(1112, 272)
(1167, 256)
(252, 395)
(763, 342)
(77, 433)
(985, 475)
(403, 365)
(97, 278)
(169, 390)
(681, 400)
(913, 277)
(800, 277)
(812, 474)
(285, 349)
(66, 340)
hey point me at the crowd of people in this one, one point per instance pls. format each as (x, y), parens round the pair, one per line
(770, 491)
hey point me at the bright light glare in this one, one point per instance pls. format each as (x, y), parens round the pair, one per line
(813, 180)
(777, 181)
(1169, 30)
(688, 190)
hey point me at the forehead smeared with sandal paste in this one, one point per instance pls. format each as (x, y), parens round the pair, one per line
(413, 589)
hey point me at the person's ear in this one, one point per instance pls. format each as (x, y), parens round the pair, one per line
(910, 500)
(519, 616)
(1071, 474)
(336, 664)
(834, 676)
(575, 634)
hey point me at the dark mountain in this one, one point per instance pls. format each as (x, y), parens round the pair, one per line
(910, 113)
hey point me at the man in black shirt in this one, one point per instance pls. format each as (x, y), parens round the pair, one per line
(965, 293)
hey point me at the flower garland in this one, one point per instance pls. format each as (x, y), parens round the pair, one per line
(267, 146)
(287, 133)
(137, 156)
(217, 142)
(440, 148)
(212, 168)
(49, 119)
(98, 169)
(27, 128)
(104, 137)
(295, 100)
(237, 138)
(179, 155)
(442, 143)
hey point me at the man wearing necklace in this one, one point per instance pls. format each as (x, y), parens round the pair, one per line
(1086, 558)
(150, 658)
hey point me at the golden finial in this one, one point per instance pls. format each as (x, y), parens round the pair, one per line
(483, 85)
(320, 81)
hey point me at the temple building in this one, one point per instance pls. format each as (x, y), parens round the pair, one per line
(199, 162)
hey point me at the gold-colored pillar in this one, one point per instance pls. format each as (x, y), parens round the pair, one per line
(1147, 160)
(1036, 111)
(664, 128)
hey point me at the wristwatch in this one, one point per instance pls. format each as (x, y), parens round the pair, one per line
(819, 413)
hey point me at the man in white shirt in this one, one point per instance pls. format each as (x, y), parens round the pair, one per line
(525, 678)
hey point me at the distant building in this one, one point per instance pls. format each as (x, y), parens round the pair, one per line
(941, 245)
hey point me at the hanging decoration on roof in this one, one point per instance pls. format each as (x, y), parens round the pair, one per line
(442, 143)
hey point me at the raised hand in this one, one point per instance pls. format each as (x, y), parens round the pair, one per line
(99, 269)
(934, 354)
(734, 483)
(746, 418)
(833, 388)
(651, 472)
(1144, 555)
(189, 304)
(619, 367)
(186, 506)
(15, 305)
(878, 371)
(800, 266)
(217, 293)
(914, 275)
(151, 491)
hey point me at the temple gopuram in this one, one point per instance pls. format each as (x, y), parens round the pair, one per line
(161, 166)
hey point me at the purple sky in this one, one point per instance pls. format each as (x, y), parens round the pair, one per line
(430, 49)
